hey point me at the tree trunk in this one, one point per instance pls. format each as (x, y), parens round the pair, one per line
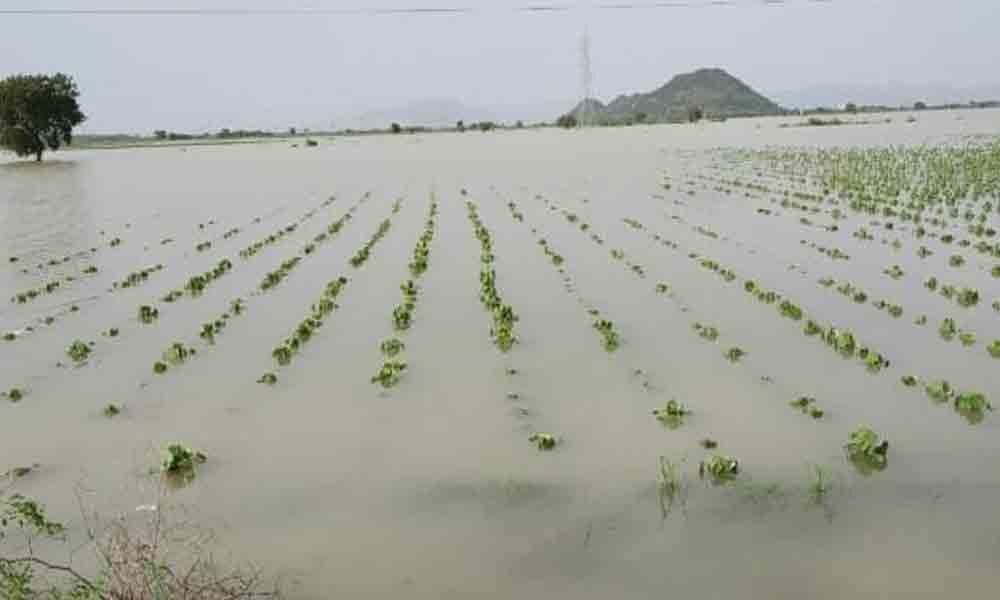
(38, 156)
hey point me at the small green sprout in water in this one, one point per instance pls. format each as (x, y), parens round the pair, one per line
(967, 338)
(611, 337)
(79, 351)
(720, 468)
(908, 380)
(672, 414)
(282, 354)
(931, 284)
(268, 379)
(148, 314)
(867, 450)
(543, 441)
(790, 310)
(948, 329)
(390, 373)
(939, 391)
(895, 271)
(707, 332)
(9, 336)
(159, 367)
(14, 394)
(662, 288)
(956, 260)
(111, 410)
(967, 297)
(178, 458)
(708, 444)
(973, 406)
(895, 311)
(734, 354)
(807, 404)
(392, 347)
(812, 328)
(177, 353)
(994, 349)
(819, 485)
(921, 320)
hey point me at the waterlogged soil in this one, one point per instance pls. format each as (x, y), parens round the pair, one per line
(431, 489)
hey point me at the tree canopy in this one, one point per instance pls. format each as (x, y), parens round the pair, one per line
(38, 113)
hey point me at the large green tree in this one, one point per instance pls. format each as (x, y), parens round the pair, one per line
(38, 113)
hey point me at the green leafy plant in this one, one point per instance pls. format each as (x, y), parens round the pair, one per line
(956, 260)
(672, 414)
(390, 373)
(607, 330)
(111, 410)
(268, 379)
(707, 331)
(812, 328)
(544, 441)
(948, 329)
(967, 338)
(148, 314)
(994, 349)
(734, 354)
(79, 351)
(14, 394)
(178, 458)
(973, 406)
(790, 310)
(719, 468)
(392, 347)
(867, 450)
(909, 380)
(159, 367)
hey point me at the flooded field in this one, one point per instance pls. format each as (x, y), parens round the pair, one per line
(520, 438)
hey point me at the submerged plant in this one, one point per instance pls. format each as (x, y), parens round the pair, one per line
(178, 458)
(79, 351)
(720, 468)
(734, 354)
(544, 441)
(867, 450)
(672, 414)
(148, 314)
(268, 379)
(967, 338)
(177, 353)
(111, 410)
(390, 373)
(948, 329)
(819, 485)
(908, 380)
(707, 332)
(392, 347)
(159, 367)
(790, 310)
(994, 349)
(14, 394)
(973, 406)
(607, 329)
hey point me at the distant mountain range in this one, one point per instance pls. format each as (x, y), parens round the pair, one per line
(714, 91)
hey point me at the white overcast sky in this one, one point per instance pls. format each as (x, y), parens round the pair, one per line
(138, 73)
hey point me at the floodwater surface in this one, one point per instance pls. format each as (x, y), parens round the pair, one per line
(431, 488)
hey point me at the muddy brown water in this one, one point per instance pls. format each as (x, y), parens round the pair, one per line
(431, 489)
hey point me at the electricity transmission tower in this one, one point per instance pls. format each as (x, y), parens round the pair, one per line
(587, 79)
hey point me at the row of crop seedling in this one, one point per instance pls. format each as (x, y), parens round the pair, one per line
(973, 406)
(178, 353)
(965, 297)
(389, 374)
(610, 336)
(852, 292)
(48, 287)
(136, 278)
(361, 256)
(282, 232)
(306, 329)
(504, 317)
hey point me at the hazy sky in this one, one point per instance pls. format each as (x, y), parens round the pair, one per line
(138, 73)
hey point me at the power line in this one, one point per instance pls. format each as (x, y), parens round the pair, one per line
(418, 11)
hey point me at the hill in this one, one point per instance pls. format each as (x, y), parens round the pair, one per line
(714, 91)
